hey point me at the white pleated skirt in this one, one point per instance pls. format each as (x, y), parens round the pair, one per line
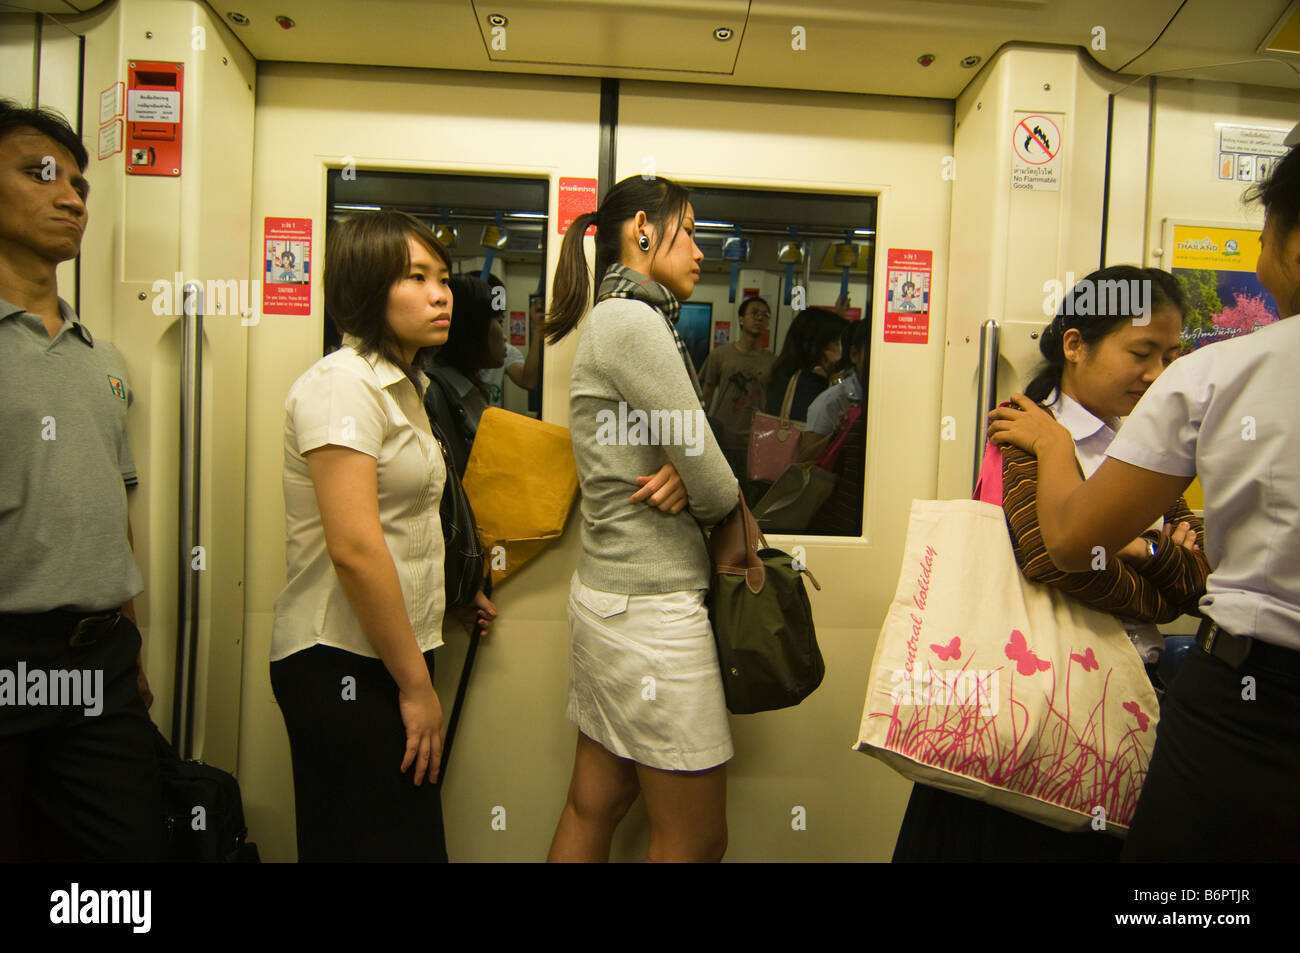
(644, 680)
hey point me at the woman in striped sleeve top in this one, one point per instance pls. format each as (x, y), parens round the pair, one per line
(1103, 350)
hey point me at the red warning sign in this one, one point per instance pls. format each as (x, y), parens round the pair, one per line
(907, 295)
(286, 280)
(577, 196)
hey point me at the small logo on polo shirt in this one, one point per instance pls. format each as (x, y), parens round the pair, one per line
(116, 384)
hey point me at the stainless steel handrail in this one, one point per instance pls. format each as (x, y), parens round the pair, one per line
(987, 391)
(187, 607)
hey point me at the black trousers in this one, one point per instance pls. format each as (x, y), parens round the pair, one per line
(1225, 770)
(77, 786)
(353, 802)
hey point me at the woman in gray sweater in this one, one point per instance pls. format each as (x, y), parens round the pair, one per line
(644, 686)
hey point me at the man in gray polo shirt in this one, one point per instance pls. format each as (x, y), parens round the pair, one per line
(78, 771)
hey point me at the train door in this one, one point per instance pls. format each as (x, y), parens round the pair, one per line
(435, 142)
(795, 789)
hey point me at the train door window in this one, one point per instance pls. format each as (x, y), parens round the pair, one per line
(803, 346)
(494, 228)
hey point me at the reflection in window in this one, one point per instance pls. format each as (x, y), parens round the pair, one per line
(495, 230)
(780, 330)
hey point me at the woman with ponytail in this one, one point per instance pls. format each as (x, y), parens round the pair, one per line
(1114, 333)
(645, 689)
(1226, 764)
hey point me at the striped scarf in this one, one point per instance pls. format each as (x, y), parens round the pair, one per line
(622, 282)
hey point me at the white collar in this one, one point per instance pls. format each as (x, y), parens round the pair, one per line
(386, 371)
(1077, 419)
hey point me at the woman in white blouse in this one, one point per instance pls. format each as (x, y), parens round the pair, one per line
(358, 620)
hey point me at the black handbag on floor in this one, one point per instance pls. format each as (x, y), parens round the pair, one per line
(204, 812)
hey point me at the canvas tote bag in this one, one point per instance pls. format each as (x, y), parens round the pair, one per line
(1008, 691)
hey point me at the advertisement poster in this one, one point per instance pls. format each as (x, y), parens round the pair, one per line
(1215, 266)
(907, 295)
(721, 333)
(577, 196)
(518, 329)
(286, 281)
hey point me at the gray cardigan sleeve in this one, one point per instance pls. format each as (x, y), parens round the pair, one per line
(637, 352)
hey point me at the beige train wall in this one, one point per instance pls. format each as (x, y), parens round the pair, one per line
(992, 252)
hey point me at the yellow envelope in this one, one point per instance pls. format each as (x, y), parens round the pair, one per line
(521, 480)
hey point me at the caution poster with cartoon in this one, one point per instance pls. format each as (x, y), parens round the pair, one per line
(286, 280)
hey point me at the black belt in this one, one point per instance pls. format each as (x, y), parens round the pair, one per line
(80, 628)
(1235, 649)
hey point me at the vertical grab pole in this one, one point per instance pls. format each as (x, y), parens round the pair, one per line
(187, 606)
(987, 392)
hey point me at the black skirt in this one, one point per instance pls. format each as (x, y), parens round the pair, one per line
(940, 827)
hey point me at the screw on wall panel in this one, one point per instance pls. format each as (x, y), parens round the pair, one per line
(142, 296)
(224, 61)
(968, 339)
(176, 171)
(1047, 87)
(1033, 335)
(148, 34)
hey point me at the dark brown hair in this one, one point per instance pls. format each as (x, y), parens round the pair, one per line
(364, 257)
(661, 200)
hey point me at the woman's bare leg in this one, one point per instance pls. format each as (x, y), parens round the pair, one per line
(604, 786)
(688, 813)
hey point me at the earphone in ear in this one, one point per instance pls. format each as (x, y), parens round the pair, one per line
(643, 242)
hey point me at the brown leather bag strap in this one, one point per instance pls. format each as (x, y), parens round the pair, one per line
(734, 545)
(789, 398)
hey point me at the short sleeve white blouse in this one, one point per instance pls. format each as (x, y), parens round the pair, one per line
(368, 405)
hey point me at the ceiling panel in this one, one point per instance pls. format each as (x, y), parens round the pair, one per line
(1219, 40)
(858, 46)
(662, 36)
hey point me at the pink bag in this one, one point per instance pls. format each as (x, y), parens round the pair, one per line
(988, 487)
(832, 454)
(774, 441)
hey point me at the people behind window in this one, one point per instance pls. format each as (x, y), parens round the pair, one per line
(812, 348)
(734, 380)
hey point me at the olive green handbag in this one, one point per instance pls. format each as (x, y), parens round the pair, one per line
(762, 621)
